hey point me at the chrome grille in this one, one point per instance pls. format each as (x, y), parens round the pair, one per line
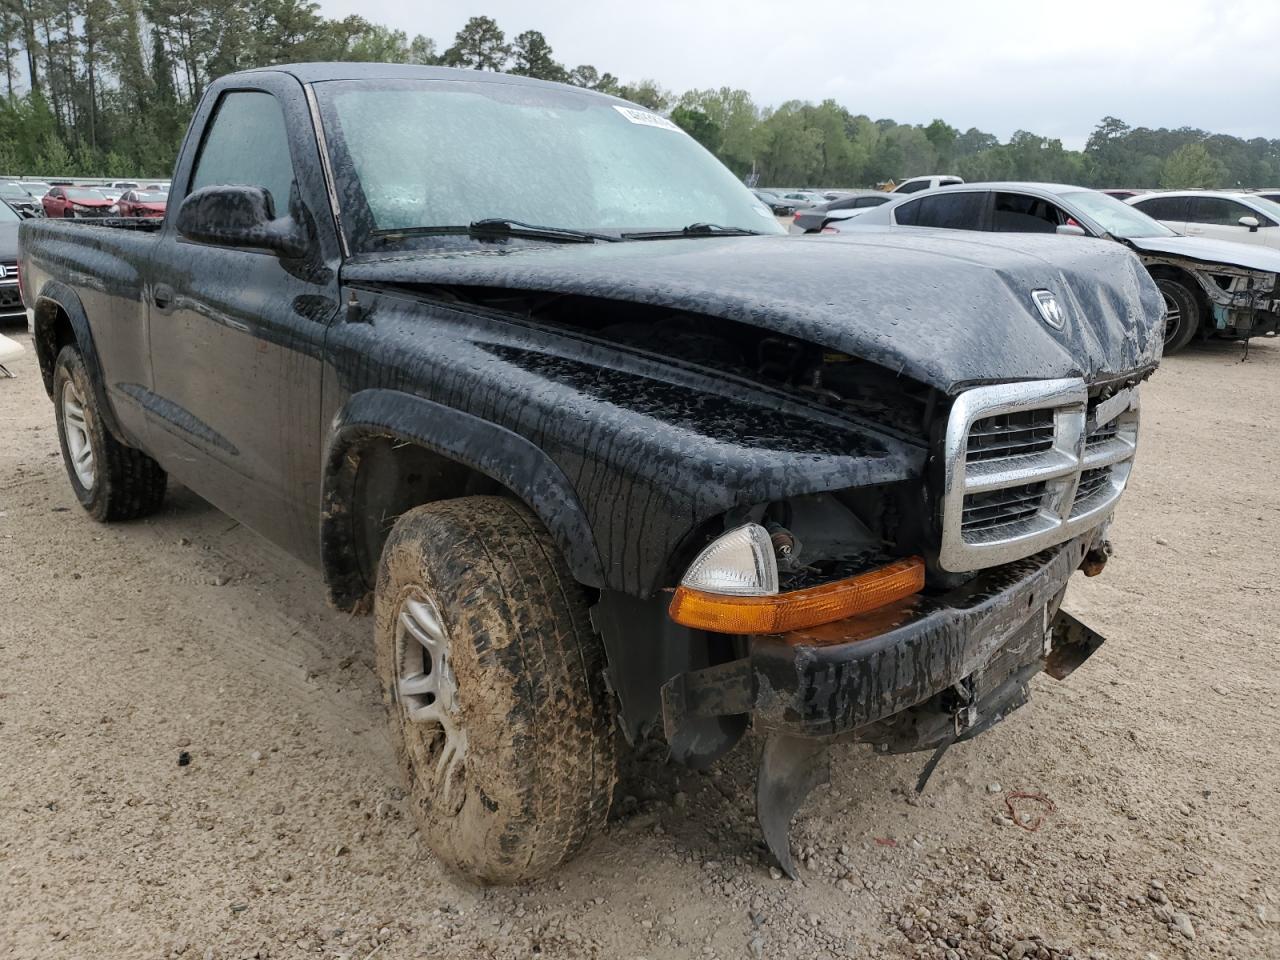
(1026, 468)
(1011, 434)
(1001, 508)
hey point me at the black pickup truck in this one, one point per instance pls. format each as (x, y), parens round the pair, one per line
(531, 377)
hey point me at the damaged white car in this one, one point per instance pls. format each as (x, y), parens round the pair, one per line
(1211, 288)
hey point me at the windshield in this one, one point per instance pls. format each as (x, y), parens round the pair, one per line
(7, 214)
(141, 197)
(1117, 218)
(419, 154)
(14, 191)
(87, 196)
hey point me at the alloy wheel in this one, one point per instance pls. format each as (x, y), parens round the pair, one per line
(76, 428)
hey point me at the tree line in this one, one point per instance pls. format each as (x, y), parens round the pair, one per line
(105, 88)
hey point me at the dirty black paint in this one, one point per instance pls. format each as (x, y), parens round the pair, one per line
(240, 370)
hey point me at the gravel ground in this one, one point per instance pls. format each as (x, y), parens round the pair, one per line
(125, 650)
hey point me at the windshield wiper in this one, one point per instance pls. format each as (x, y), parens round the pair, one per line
(694, 230)
(497, 227)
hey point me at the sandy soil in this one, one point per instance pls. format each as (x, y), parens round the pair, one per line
(286, 835)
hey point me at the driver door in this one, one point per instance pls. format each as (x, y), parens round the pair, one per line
(237, 334)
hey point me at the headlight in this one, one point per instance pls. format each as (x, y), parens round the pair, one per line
(738, 564)
(732, 587)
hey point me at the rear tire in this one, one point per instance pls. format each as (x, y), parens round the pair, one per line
(111, 481)
(1185, 312)
(494, 682)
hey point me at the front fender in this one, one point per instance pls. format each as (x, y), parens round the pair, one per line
(486, 447)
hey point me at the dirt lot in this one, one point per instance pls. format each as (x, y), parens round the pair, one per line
(123, 647)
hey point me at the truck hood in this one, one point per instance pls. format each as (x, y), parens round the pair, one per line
(1226, 252)
(943, 310)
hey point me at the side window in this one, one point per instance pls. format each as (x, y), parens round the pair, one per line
(1218, 211)
(246, 145)
(915, 187)
(871, 201)
(1022, 213)
(953, 210)
(1164, 208)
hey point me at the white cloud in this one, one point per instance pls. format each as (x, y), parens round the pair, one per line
(1052, 68)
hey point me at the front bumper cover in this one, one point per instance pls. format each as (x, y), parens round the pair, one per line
(905, 677)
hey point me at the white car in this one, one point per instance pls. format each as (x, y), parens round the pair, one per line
(10, 350)
(932, 182)
(1211, 287)
(1217, 214)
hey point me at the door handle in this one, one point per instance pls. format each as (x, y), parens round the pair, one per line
(162, 296)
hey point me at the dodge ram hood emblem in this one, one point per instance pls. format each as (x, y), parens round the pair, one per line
(1050, 312)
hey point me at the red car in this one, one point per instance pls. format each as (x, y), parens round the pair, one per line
(76, 202)
(142, 203)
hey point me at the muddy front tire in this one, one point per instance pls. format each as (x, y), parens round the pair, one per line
(494, 682)
(112, 481)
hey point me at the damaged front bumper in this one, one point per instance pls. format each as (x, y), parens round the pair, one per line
(918, 675)
(855, 678)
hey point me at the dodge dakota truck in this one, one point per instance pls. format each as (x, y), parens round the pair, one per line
(531, 377)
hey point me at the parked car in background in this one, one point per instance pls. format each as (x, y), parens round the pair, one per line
(1210, 287)
(814, 219)
(775, 203)
(802, 199)
(10, 296)
(19, 200)
(140, 203)
(123, 185)
(931, 182)
(1219, 214)
(73, 202)
(1123, 193)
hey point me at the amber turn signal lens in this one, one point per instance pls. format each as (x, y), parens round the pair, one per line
(798, 609)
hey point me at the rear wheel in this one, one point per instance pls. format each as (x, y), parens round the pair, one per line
(111, 481)
(1184, 314)
(494, 682)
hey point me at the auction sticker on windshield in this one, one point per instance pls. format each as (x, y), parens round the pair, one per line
(646, 119)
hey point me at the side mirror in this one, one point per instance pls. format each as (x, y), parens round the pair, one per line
(240, 217)
(1070, 230)
(1253, 223)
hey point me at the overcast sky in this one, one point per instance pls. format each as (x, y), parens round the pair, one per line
(1053, 68)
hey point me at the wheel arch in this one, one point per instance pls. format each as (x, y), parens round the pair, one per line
(1168, 271)
(390, 451)
(60, 320)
